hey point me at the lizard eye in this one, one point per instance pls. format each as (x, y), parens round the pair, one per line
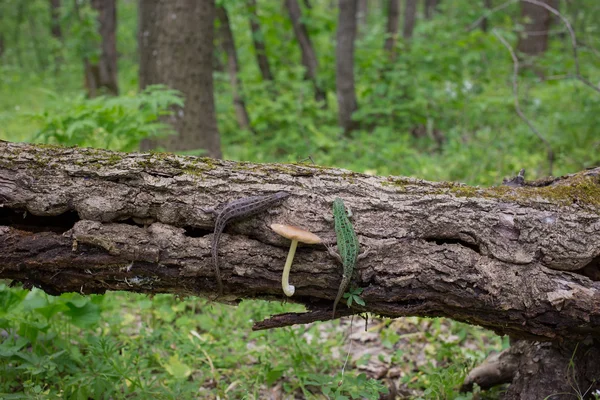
(348, 212)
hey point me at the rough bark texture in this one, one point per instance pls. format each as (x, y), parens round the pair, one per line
(233, 68)
(537, 370)
(176, 48)
(344, 64)
(410, 18)
(536, 22)
(104, 73)
(557, 371)
(259, 42)
(392, 25)
(309, 57)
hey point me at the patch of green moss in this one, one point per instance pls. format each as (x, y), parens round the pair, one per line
(49, 146)
(464, 190)
(114, 159)
(581, 190)
(398, 182)
(289, 169)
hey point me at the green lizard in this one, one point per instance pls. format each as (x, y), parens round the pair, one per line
(348, 247)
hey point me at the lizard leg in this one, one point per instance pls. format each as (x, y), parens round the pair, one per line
(333, 253)
(364, 254)
(208, 210)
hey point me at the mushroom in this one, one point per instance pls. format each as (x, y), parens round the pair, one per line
(296, 235)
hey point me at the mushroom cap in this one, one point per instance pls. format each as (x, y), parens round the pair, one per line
(295, 233)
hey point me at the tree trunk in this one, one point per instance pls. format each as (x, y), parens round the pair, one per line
(554, 19)
(38, 50)
(487, 4)
(17, 32)
(363, 11)
(536, 21)
(344, 64)
(228, 44)
(176, 48)
(559, 370)
(259, 42)
(392, 26)
(55, 29)
(410, 17)
(56, 32)
(522, 259)
(309, 58)
(104, 73)
(430, 6)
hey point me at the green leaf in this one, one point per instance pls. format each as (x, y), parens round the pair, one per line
(83, 314)
(8, 350)
(359, 300)
(176, 368)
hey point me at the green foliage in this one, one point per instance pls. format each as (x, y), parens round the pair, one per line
(125, 344)
(349, 387)
(109, 122)
(443, 109)
(353, 296)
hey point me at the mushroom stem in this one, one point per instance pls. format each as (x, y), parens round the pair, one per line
(285, 279)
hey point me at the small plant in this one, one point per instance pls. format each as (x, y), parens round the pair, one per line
(353, 296)
(348, 387)
(117, 123)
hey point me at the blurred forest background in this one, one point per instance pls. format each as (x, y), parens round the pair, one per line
(419, 88)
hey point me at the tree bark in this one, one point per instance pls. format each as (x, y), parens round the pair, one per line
(363, 11)
(560, 370)
(104, 72)
(521, 259)
(430, 6)
(487, 4)
(258, 39)
(392, 25)
(176, 48)
(309, 58)
(554, 19)
(55, 29)
(410, 18)
(536, 21)
(344, 64)
(233, 67)
(56, 32)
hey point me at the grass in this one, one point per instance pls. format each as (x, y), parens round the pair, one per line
(134, 346)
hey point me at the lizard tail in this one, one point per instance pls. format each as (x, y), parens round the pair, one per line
(337, 300)
(341, 290)
(215, 257)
